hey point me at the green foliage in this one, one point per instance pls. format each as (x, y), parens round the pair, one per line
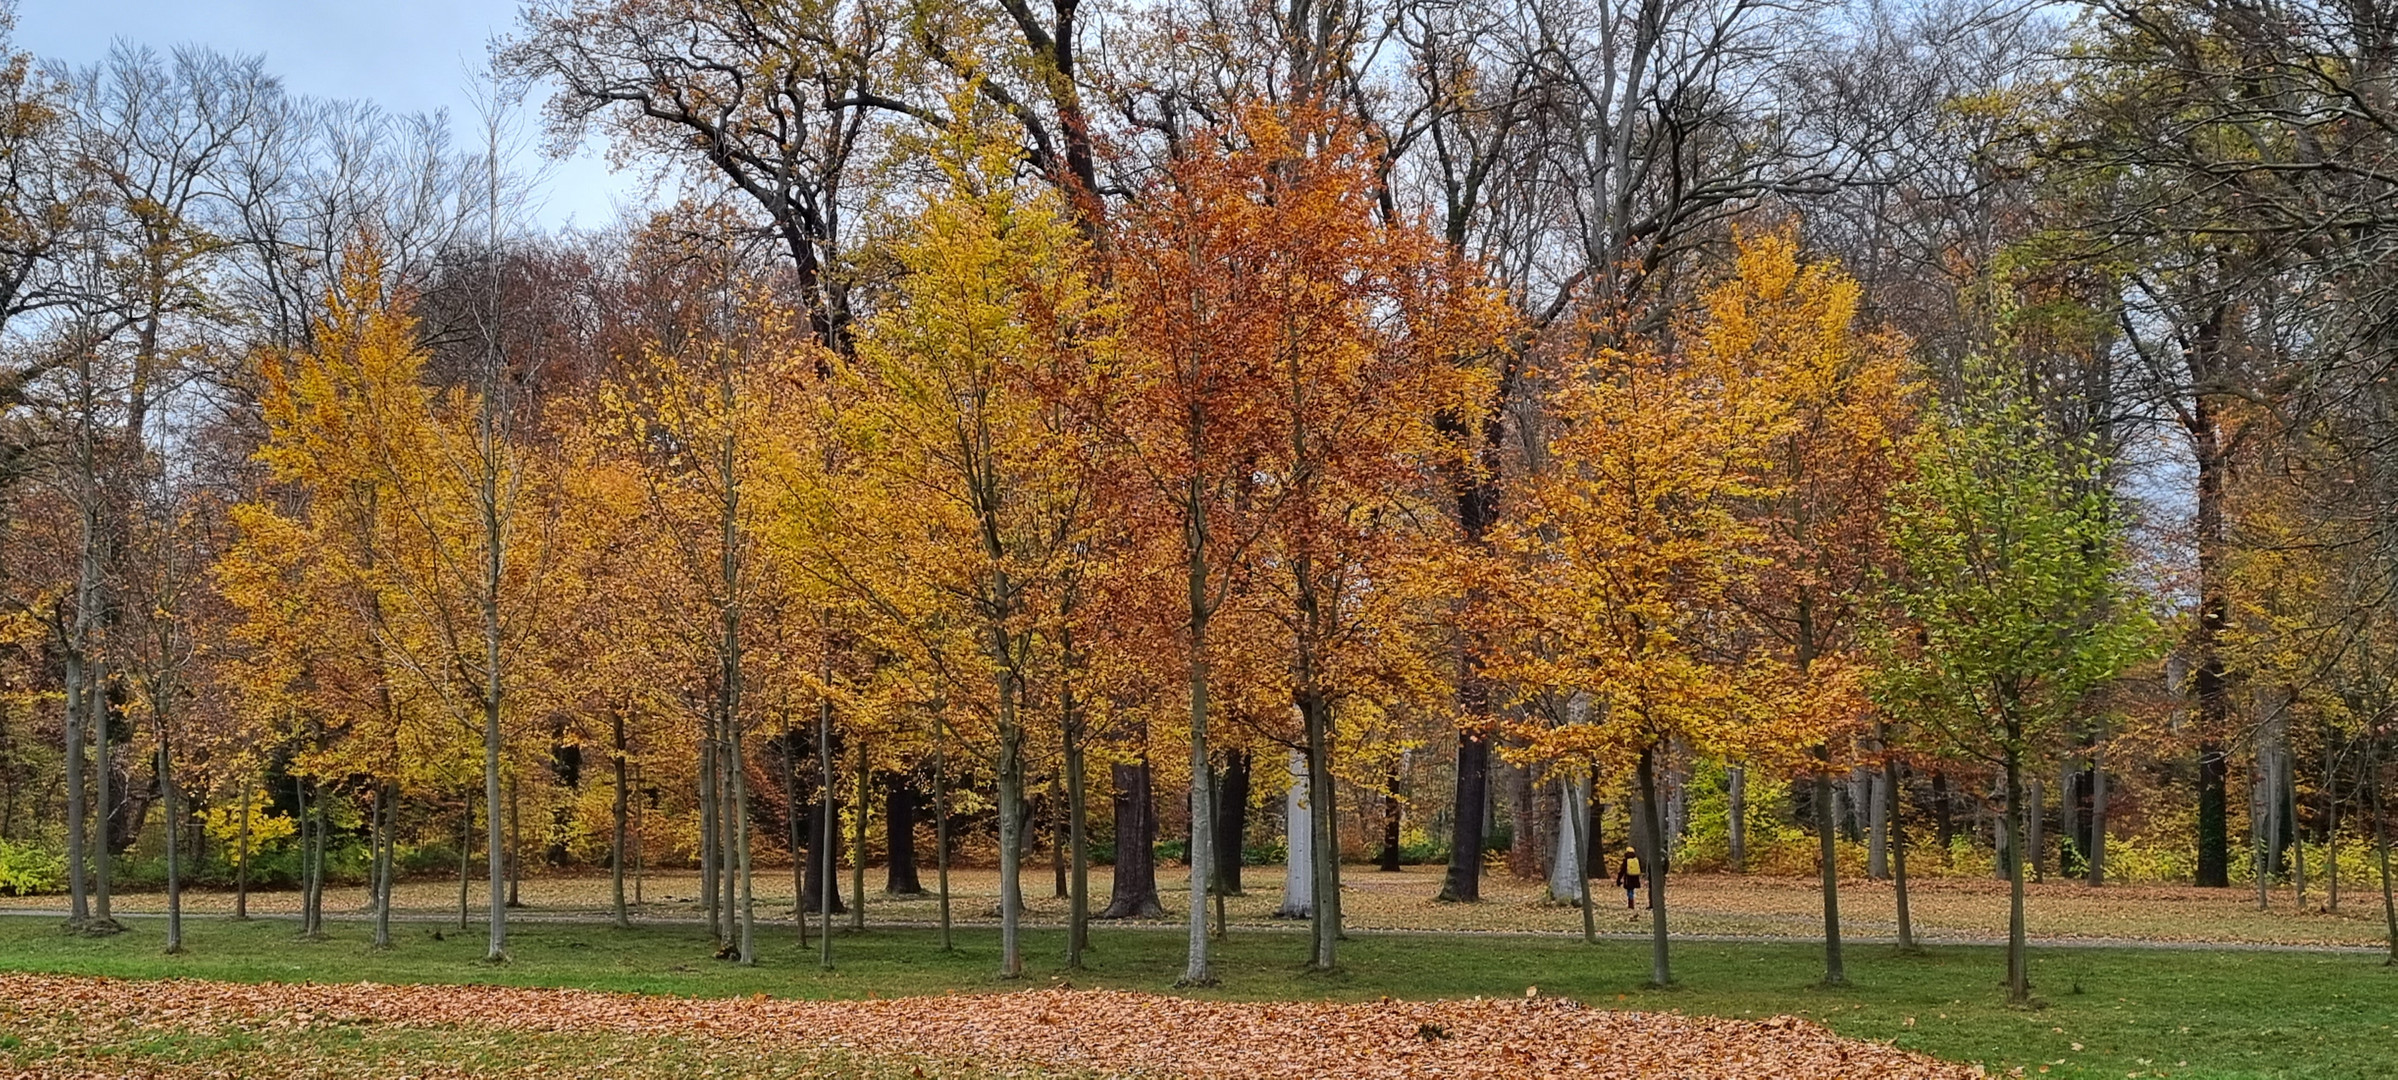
(25, 870)
(2011, 597)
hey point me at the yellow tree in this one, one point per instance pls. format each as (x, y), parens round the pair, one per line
(1614, 574)
(1841, 406)
(421, 503)
(969, 532)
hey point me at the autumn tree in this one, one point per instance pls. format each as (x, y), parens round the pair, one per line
(1818, 539)
(2011, 591)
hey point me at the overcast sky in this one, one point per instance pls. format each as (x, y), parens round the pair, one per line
(406, 55)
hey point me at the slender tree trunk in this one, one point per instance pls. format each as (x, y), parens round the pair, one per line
(2098, 817)
(711, 910)
(1898, 850)
(2035, 814)
(466, 847)
(386, 820)
(241, 859)
(2331, 827)
(1835, 971)
(1196, 969)
(174, 831)
(1011, 825)
(2209, 680)
(1078, 908)
(1653, 835)
(1389, 862)
(516, 845)
(795, 824)
(2381, 854)
(740, 816)
(622, 812)
(1317, 714)
(821, 877)
(1877, 824)
(1736, 825)
(79, 906)
(857, 842)
(941, 841)
(2019, 981)
(1944, 815)
(103, 805)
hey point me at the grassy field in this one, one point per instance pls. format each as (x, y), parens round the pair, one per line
(2105, 1012)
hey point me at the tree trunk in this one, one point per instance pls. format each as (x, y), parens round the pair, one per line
(386, 823)
(2035, 848)
(795, 830)
(2098, 818)
(1583, 821)
(710, 894)
(1232, 822)
(174, 832)
(740, 816)
(2381, 854)
(1132, 891)
(1078, 906)
(2019, 981)
(1464, 881)
(1944, 814)
(103, 807)
(1736, 824)
(940, 842)
(1011, 842)
(822, 838)
(1898, 850)
(1652, 834)
(1196, 969)
(466, 847)
(241, 859)
(1317, 714)
(516, 845)
(857, 842)
(79, 906)
(1389, 861)
(621, 812)
(1567, 871)
(1298, 844)
(899, 837)
(1835, 971)
(1877, 823)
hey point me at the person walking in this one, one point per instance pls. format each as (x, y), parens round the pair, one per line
(1627, 876)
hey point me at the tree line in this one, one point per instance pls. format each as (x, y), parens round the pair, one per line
(1855, 412)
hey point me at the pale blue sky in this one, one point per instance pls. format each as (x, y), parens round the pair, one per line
(408, 56)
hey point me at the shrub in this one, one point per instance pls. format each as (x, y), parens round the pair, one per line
(26, 870)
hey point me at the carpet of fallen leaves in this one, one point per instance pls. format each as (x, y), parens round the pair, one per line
(1945, 909)
(1105, 1033)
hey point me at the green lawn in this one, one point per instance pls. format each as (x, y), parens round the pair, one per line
(2187, 1013)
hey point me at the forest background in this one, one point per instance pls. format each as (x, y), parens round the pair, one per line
(1932, 438)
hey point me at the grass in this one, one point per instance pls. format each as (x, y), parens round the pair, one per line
(2132, 1012)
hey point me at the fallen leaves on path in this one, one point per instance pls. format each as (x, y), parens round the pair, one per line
(1107, 1032)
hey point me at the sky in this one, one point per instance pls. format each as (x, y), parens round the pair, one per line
(405, 55)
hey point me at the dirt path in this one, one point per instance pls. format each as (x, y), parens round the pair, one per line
(1088, 1032)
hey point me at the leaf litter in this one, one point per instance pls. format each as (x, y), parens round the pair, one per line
(1090, 1032)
